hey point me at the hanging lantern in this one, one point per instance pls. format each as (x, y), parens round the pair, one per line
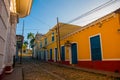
(67, 44)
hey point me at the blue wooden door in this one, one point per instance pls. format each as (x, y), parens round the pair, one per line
(74, 53)
(63, 53)
(39, 55)
(56, 54)
(95, 48)
(44, 55)
(50, 54)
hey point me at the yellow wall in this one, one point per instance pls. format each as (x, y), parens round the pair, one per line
(64, 30)
(51, 46)
(107, 27)
(110, 38)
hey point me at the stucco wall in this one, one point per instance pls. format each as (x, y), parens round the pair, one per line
(4, 23)
(7, 35)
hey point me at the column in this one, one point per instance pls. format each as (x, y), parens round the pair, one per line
(11, 48)
(70, 57)
(46, 55)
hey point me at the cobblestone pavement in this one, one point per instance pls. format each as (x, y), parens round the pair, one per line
(37, 70)
(15, 75)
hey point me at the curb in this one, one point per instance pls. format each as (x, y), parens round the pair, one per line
(105, 73)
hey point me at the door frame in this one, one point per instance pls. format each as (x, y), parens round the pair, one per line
(71, 52)
(55, 58)
(64, 52)
(51, 57)
(99, 34)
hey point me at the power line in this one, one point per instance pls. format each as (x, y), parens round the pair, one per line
(91, 11)
(62, 25)
(34, 22)
(75, 19)
(96, 9)
(41, 21)
(27, 29)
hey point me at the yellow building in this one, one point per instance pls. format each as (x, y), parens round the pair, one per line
(49, 43)
(94, 46)
(36, 47)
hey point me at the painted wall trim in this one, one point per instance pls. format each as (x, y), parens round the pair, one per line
(111, 59)
(84, 59)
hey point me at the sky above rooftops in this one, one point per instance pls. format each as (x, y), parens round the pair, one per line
(97, 13)
(44, 13)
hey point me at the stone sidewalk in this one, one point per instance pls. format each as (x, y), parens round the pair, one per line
(15, 75)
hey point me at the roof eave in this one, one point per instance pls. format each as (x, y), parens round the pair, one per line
(23, 7)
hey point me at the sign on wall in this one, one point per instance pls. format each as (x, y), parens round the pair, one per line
(19, 41)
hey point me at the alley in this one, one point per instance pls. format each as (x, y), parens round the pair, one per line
(38, 70)
(59, 39)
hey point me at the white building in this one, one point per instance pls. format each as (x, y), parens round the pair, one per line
(10, 12)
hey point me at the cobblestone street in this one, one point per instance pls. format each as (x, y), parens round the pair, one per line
(59, 39)
(36, 70)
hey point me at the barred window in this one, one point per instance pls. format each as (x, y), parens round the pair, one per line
(45, 41)
(53, 37)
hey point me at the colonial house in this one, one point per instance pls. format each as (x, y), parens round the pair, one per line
(50, 42)
(10, 12)
(94, 46)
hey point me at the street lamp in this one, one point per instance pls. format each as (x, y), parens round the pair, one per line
(67, 44)
(19, 45)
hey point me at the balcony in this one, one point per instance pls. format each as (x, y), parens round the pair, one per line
(23, 7)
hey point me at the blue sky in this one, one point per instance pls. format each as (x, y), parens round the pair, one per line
(44, 12)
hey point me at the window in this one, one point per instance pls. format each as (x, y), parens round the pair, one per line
(56, 54)
(52, 36)
(40, 44)
(50, 54)
(45, 41)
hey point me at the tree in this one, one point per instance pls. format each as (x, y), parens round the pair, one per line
(31, 37)
(32, 42)
(26, 43)
(24, 46)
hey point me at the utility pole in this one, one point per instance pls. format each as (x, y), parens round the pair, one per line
(58, 38)
(22, 43)
(23, 29)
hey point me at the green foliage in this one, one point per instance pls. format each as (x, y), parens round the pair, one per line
(31, 37)
(26, 43)
(32, 43)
